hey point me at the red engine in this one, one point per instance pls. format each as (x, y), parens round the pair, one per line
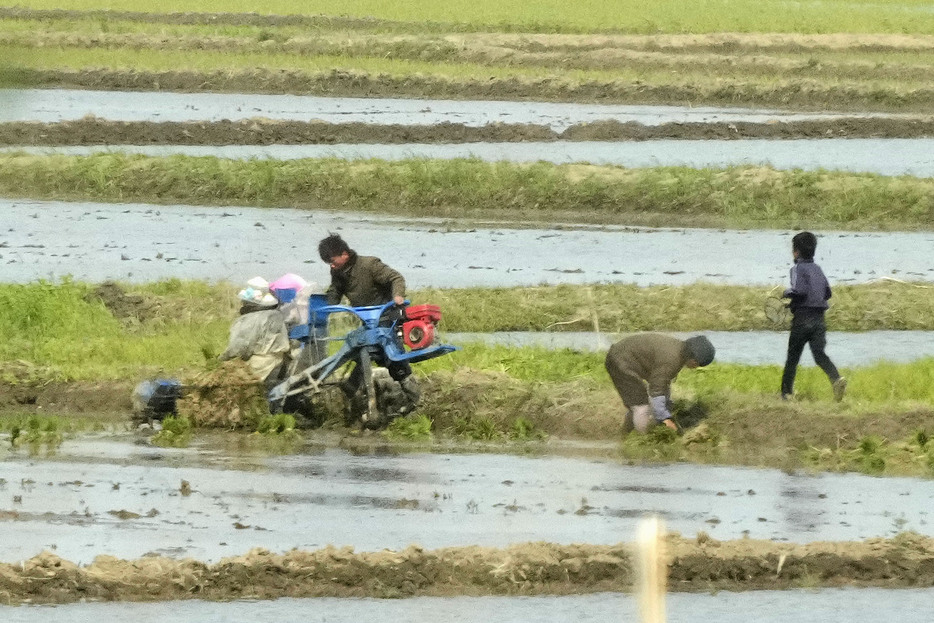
(418, 330)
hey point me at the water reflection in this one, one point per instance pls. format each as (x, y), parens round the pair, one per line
(883, 156)
(142, 242)
(867, 605)
(435, 500)
(53, 105)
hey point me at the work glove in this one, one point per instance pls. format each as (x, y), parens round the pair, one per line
(660, 407)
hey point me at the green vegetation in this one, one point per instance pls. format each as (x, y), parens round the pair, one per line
(744, 53)
(621, 308)
(665, 196)
(729, 414)
(414, 428)
(484, 394)
(51, 332)
(899, 16)
(175, 433)
(897, 74)
(64, 331)
(35, 431)
(872, 385)
(756, 52)
(874, 454)
(278, 424)
(524, 429)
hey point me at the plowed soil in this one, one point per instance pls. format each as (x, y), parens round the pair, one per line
(771, 434)
(530, 569)
(91, 131)
(342, 83)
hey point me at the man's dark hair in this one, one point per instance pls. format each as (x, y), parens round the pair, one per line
(331, 247)
(805, 243)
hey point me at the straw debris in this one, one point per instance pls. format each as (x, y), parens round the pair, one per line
(229, 396)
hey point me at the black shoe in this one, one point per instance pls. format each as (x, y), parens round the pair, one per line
(413, 394)
(839, 389)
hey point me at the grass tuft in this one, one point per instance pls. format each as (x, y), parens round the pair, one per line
(413, 428)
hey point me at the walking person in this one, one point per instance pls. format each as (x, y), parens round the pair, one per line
(809, 293)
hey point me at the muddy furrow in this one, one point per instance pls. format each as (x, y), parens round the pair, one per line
(201, 19)
(529, 569)
(803, 94)
(493, 50)
(92, 131)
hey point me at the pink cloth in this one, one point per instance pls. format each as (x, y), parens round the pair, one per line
(289, 281)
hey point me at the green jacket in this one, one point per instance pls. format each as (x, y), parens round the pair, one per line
(653, 357)
(365, 280)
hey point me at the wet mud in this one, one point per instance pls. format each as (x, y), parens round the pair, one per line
(196, 18)
(57, 105)
(357, 84)
(701, 564)
(122, 520)
(91, 131)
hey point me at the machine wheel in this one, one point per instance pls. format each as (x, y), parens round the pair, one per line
(392, 401)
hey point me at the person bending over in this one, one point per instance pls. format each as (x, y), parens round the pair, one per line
(642, 368)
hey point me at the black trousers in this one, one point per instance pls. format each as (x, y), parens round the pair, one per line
(807, 327)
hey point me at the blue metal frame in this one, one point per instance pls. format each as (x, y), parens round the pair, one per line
(380, 344)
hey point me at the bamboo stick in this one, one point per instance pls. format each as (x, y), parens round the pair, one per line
(652, 570)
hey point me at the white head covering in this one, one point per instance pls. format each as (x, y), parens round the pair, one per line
(257, 292)
(258, 283)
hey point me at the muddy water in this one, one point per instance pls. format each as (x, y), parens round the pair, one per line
(744, 347)
(869, 605)
(53, 105)
(115, 497)
(139, 243)
(883, 156)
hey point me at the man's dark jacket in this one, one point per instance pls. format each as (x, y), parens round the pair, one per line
(365, 280)
(652, 357)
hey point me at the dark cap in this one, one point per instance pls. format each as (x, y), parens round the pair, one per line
(702, 351)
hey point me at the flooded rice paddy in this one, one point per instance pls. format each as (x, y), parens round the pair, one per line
(141, 242)
(869, 605)
(54, 105)
(111, 496)
(882, 156)
(123, 497)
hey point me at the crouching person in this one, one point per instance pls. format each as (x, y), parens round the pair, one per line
(642, 367)
(259, 335)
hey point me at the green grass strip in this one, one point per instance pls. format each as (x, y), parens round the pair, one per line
(664, 196)
(65, 331)
(884, 382)
(908, 16)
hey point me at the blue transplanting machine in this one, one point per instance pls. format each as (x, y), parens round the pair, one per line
(386, 334)
(382, 335)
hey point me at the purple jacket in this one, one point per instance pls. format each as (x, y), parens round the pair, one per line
(809, 287)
